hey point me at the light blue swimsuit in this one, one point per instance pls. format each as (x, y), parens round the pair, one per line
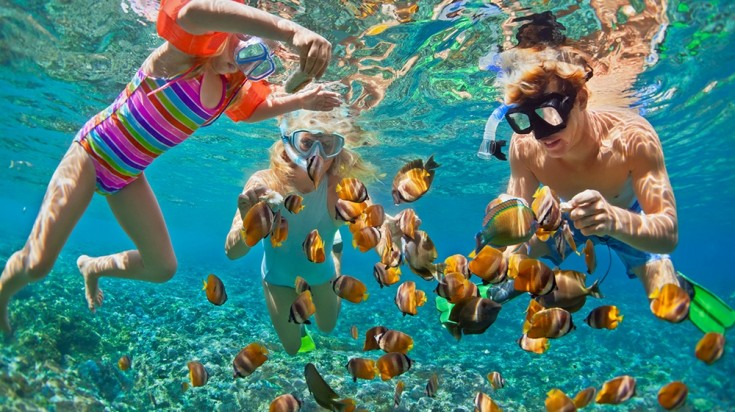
(282, 264)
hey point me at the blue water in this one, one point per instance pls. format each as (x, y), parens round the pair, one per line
(63, 61)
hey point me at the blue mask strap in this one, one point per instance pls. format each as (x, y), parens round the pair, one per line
(489, 146)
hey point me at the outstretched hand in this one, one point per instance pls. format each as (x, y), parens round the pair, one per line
(249, 198)
(320, 100)
(592, 214)
(314, 52)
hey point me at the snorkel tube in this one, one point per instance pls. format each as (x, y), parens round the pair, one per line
(490, 147)
(290, 151)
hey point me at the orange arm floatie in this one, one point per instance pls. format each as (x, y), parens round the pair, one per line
(201, 45)
(248, 98)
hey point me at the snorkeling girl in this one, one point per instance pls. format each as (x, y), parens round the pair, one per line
(303, 134)
(210, 63)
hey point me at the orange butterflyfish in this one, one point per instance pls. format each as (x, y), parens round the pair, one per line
(315, 168)
(389, 254)
(393, 364)
(374, 215)
(550, 323)
(533, 307)
(349, 211)
(249, 359)
(279, 232)
(358, 224)
(484, 403)
(558, 401)
(197, 374)
(432, 385)
(353, 332)
(546, 207)
(361, 368)
(352, 190)
(452, 287)
(294, 203)
(349, 288)
(570, 292)
(371, 341)
(508, 223)
(496, 380)
(300, 285)
(314, 247)
(366, 239)
(385, 275)
(257, 223)
(673, 395)
(537, 346)
(604, 317)
(670, 302)
(394, 341)
(408, 222)
(584, 397)
(514, 261)
(472, 316)
(710, 347)
(408, 298)
(124, 363)
(616, 391)
(400, 386)
(285, 403)
(215, 290)
(534, 277)
(302, 309)
(589, 256)
(413, 180)
(457, 263)
(490, 265)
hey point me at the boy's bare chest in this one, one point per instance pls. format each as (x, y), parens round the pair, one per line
(612, 179)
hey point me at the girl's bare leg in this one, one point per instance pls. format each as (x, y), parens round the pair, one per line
(67, 197)
(279, 300)
(138, 213)
(327, 305)
(655, 274)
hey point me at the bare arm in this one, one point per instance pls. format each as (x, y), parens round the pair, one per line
(235, 247)
(312, 99)
(522, 183)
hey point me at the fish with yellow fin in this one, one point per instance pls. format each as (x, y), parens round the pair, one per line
(371, 341)
(496, 380)
(294, 203)
(508, 222)
(420, 254)
(673, 395)
(400, 386)
(366, 238)
(452, 287)
(257, 223)
(361, 368)
(408, 298)
(124, 362)
(315, 168)
(604, 317)
(408, 222)
(432, 385)
(394, 341)
(285, 403)
(349, 211)
(215, 290)
(533, 308)
(385, 275)
(537, 346)
(558, 401)
(279, 231)
(352, 190)
(349, 288)
(413, 180)
(589, 256)
(550, 323)
(616, 391)
(570, 292)
(313, 247)
(457, 263)
(300, 285)
(670, 302)
(198, 375)
(584, 397)
(484, 403)
(374, 215)
(389, 253)
(710, 348)
(546, 207)
(393, 364)
(534, 277)
(490, 265)
(302, 308)
(249, 359)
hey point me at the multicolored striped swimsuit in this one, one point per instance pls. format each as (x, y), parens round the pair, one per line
(137, 127)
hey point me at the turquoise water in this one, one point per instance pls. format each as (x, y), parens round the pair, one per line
(419, 91)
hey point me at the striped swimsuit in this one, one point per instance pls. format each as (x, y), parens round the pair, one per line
(136, 128)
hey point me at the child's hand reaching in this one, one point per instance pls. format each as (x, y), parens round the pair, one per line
(319, 100)
(249, 198)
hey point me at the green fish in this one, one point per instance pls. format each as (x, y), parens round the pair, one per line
(507, 223)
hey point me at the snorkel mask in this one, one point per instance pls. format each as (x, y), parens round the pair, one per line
(544, 115)
(302, 144)
(254, 58)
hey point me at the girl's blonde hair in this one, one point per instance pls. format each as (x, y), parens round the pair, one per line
(348, 162)
(527, 71)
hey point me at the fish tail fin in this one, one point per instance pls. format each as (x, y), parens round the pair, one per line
(205, 285)
(595, 290)
(365, 297)
(431, 163)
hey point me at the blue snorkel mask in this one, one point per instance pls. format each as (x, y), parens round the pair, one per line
(302, 144)
(490, 147)
(254, 58)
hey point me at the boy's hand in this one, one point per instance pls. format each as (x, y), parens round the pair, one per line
(592, 214)
(320, 100)
(314, 52)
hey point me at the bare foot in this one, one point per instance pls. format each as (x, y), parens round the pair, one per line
(91, 283)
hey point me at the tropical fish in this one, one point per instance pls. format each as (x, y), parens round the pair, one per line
(534, 277)
(413, 180)
(432, 386)
(374, 215)
(249, 359)
(314, 247)
(472, 316)
(452, 287)
(537, 346)
(279, 231)
(408, 222)
(294, 203)
(670, 303)
(533, 308)
(558, 401)
(566, 238)
(400, 386)
(389, 253)
(300, 285)
(353, 332)
(393, 364)
(547, 209)
(371, 342)
(124, 363)
(484, 403)
(673, 395)
(362, 368)
(323, 394)
(616, 390)
(589, 256)
(315, 168)
(257, 223)
(584, 397)
(710, 347)
(352, 190)
(604, 317)
(550, 323)
(496, 380)
(514, 261)
(302, 309)
(420, 254)
(408, 298)
(348, 211)
(385, 275)
(489, 265)
(349, 288)
(197, 374)
(366, 238)
(457, 263)
(570, 292)
(508, 223)
(215, 290)
(285, 403)
(394, 341)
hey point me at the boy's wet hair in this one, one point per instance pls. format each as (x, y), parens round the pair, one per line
(542, 30)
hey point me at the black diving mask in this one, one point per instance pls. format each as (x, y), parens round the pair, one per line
(543, 115)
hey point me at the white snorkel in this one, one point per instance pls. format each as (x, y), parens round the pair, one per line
(290, 151)
(490, 147)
